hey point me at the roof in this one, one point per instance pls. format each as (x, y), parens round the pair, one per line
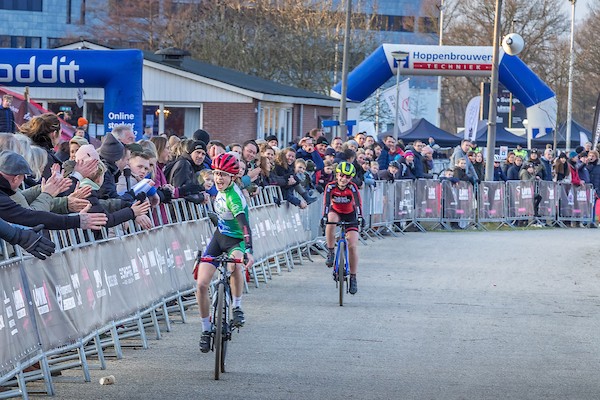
(503, 137)
(423, 130)
(236, 78)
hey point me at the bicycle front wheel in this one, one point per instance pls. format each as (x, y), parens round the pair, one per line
(219, 317)
(341, 266)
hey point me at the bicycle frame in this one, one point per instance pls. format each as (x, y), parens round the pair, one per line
(341, 252)
(221, 300)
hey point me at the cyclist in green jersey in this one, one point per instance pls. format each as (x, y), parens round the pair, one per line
(232, 236)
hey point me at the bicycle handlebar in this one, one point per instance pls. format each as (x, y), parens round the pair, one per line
(341, 223)
(222, 259)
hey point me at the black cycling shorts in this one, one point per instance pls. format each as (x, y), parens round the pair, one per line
(220, 244)
(350, 217)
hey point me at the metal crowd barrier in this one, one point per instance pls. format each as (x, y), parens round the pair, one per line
(427, 204)
(102, 290)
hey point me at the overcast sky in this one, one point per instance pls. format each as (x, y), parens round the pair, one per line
(581, 8)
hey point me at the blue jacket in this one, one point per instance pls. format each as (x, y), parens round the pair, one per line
(7, 120)
(594, 171)
(584, 173)
(499, 175)
(547, 171)
(314, 156)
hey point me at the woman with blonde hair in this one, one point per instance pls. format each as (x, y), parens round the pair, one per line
(8, 141)
(37, 158)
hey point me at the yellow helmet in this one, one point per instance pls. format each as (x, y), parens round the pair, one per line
(346, 168)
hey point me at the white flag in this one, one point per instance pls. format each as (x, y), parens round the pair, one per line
(583, 139)
(472, 118)
(404, 117)
(79, 98)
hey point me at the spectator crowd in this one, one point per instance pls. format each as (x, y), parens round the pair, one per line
(46, 183)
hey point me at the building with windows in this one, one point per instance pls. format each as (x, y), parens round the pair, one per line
(181, 95)
(52, 23)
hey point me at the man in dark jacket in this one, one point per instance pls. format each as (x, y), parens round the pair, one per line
(182, 172)
(546, 161)
(13, 169)
(419, 168)
(7, 118)
(115, 156)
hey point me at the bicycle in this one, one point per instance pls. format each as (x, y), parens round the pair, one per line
(341, 258)
(221, 314)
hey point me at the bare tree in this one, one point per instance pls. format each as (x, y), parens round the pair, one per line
(539, 22)
(289, 41)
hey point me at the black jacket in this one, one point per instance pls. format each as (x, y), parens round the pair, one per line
(182, 171)
(14, 213)
(7, 120)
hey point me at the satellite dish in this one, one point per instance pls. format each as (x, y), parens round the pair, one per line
(513, 44)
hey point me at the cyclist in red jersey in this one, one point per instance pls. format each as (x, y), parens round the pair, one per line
(342, 202)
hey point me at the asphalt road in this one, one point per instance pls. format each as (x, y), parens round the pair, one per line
(462, 315)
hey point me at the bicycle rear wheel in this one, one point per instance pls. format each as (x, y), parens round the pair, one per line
(341, 266)
(219, 320)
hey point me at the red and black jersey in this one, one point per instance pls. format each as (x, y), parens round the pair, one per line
(342, 201)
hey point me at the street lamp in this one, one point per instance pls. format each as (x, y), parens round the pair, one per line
(571, 63)
(399, 56)
(439, 80)
(512, 45)
(492, 115)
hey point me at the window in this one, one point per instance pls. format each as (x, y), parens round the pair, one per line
(428, 25)
(21, 5)
(21, 42)
(275, 120)
(399, 23)
(394, 23)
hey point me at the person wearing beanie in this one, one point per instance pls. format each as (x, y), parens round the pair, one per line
(82, 123)
(407, 165)
(272, 141)
(560, 170)
(86, 152)
(201, 135)
(183, 171)
(115, 157)
(111, 149)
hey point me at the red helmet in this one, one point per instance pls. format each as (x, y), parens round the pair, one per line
(227, 163)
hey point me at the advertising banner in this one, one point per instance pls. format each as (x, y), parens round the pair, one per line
(428, 199)
(404, 200)
(119, 72)
(491, 201)
(520, 199)
(18, 333)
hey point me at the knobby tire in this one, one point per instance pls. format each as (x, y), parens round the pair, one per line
(219, 321)
(341, 265)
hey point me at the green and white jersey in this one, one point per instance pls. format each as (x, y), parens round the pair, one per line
(228, 204)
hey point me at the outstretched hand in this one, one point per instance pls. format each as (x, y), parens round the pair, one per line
(93, 221)
(34, 242)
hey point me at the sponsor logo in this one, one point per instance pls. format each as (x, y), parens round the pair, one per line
(455, 67)
(417, 55)
(341, 199)
(59, 70)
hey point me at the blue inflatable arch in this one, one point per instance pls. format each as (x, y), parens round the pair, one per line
(119, 72)
(524, 84)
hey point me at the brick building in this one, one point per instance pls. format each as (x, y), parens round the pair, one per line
(181, 95)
